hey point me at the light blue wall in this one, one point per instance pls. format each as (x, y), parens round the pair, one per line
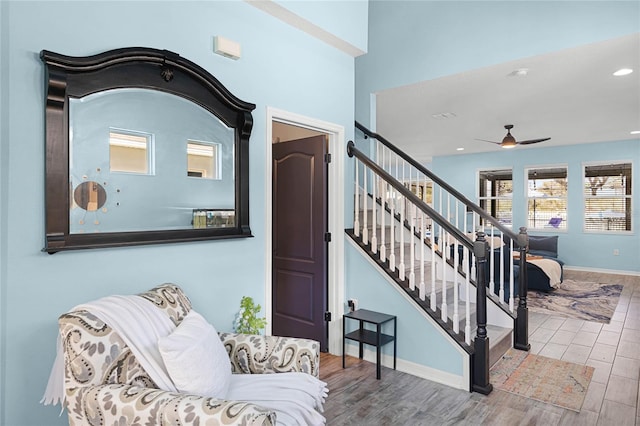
(347, 20)
(4, 189)
(431, 39)
(280, 67)
(575, 247)
(418, 341)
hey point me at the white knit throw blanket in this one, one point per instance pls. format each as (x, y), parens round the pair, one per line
(551, 268)
(296, 398)
(139, 323)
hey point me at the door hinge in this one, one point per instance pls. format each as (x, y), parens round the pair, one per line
(327, 316)
(327, 158)
(327, 237)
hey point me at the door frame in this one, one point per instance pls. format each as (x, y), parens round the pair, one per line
(335, 199)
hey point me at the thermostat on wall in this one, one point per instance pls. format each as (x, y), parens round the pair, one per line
(225, 47)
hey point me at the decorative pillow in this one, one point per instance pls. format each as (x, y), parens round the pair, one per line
(195, 358)
(543, 245)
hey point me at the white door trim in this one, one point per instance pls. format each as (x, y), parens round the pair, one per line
(337, 149)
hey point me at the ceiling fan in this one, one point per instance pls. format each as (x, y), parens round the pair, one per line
(510, 142)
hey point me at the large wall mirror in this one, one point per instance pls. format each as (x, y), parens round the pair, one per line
(143, 146)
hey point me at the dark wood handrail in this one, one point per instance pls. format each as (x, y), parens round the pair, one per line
(470, 204)
(398, 186)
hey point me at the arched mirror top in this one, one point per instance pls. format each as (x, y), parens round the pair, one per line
(143, 147)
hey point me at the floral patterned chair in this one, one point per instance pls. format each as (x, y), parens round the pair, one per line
(105, 384)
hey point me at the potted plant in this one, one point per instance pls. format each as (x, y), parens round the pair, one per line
(247, 320)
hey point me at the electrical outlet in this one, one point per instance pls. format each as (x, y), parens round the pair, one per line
(616, 252)
(353, 304)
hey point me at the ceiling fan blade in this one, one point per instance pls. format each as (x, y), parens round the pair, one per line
(530, 141)
(484, 140)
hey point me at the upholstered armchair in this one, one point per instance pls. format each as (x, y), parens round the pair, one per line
(106, 385)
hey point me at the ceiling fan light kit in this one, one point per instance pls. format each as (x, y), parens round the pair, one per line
(510, 142)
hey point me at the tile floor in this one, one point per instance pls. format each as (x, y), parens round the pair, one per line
(612, 349)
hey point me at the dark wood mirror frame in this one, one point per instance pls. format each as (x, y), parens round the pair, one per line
(136, 67)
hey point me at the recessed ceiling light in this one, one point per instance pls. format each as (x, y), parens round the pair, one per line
(520, 72)
(623, 71)
(443, 115)
(635, 132)
(460, 149)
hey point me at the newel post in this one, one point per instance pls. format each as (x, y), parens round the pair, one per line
(521, 337)
(481, 342)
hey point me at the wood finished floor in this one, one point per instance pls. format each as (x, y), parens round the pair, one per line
(357, 398)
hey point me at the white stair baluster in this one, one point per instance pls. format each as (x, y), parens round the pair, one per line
(502, 277)
(467, 304)
(392, 254)
(412, 251)
(374, 239)
(383, 213)
(422, 259)
(511, 277)
(440, 211)
(401, 266)
(491, 264)
(432, 297)
(456, 259)
(443, 249)
(365, 195)
(356, 205)
(472, 255)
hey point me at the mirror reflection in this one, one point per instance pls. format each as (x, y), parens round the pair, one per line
(90, 196)
(127, 154)
(203, 160)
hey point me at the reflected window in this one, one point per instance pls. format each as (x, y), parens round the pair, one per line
(130, 152)
(203, 160)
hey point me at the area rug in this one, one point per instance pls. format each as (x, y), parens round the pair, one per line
(578, 299)
(543, 379)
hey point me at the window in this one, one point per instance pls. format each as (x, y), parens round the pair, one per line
(607, 197)
(203, 160)
(547, 198)
(422, 190)
(495, 192)
(130, 152)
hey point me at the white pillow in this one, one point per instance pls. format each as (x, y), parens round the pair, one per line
(195, 358)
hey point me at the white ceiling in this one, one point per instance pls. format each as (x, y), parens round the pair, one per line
(570, 96)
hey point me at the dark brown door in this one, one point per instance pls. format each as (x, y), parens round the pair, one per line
(299, 246)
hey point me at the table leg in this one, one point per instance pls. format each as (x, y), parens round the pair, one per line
(378, 344)
(344, 321)
(395, 341)
(361, 352)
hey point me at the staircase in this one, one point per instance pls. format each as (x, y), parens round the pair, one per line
(466, 281)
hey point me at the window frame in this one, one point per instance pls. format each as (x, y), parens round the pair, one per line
(628, 197)
(548, 167)
(493, 199)
(216, 159)
(149, 150)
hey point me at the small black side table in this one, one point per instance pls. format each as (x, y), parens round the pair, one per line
(370, 337)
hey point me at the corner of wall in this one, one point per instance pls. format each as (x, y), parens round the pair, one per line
(4, 166)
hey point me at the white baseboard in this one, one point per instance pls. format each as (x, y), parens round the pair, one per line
(601, 271)
(422, 371)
